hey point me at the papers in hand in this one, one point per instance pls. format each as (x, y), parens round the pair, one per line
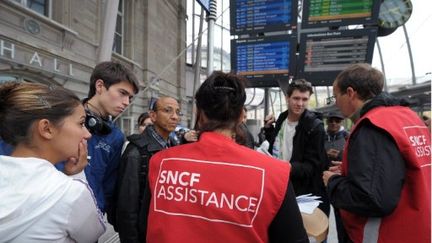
(307, 203)
(263, 148)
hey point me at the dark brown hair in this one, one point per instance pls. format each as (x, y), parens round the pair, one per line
(299, 84)
(221, 98)
(111, 73)
(363, 78)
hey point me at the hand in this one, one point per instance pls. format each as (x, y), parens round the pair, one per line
(333, 153)
(269, 120)
(336, 162)
(326, 176)
(191, 136)
(75, 165)
(337, 167)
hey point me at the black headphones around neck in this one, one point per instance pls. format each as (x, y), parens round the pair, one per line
(95, 123)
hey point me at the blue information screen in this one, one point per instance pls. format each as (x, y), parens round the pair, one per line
(262, 15)
(264, 59)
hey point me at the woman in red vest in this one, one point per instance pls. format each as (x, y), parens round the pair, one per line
(215, 190)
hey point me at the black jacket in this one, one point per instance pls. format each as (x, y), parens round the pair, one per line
(376, 168)
(131, 184)
(309, 158)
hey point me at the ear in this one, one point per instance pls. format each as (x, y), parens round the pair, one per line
(153, 116)
(241, 118)
(45, 129)
(201, 118)
(351, 93)
(99, 85)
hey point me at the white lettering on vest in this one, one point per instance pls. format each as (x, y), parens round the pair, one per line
(419, 143)
(418, 140)
(174, 177)
(205, 198)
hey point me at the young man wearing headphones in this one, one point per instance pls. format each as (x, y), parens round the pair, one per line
(112, 86)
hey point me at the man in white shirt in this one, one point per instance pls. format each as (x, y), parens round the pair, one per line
(298, 137)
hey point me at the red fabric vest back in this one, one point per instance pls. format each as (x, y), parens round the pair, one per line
(411, 219)
(214, 190)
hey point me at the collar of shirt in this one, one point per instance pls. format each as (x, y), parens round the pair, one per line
(356, 115)
(158, 138)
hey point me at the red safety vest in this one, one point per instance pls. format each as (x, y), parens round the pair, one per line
(214, 190)
(411, 219)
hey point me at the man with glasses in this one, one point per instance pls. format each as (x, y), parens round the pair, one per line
(383, 190)
(165, 115)
(298, 137)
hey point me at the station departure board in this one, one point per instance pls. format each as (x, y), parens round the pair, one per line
(264, 61)
(323, 55)
(256, 16)
(321, 13)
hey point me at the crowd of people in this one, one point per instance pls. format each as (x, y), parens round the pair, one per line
(64, 164)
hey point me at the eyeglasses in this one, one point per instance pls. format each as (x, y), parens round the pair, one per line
(331, 100)
(170, 111)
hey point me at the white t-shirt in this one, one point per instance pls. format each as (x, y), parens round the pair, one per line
(283, 145)
(40, 204)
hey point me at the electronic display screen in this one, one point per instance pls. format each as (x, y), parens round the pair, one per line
(323, 55)
(256, 16)
(264, 61)
(322, 13)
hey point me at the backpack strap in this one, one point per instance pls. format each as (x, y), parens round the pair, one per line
(143, 169)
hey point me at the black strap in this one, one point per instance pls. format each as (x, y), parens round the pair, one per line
(144, 162)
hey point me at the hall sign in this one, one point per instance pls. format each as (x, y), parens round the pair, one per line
(26, 56)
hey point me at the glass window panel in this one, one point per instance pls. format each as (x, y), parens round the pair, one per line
(226, 50)
(40, 6)
(119, 24)
(5, 78)
(120, 8)
(189, 27)
(118, 37)
(117, 44)
(254, 96)
(226, 14)
(217, 48)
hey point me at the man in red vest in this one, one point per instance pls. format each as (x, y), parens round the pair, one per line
(383, 189)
